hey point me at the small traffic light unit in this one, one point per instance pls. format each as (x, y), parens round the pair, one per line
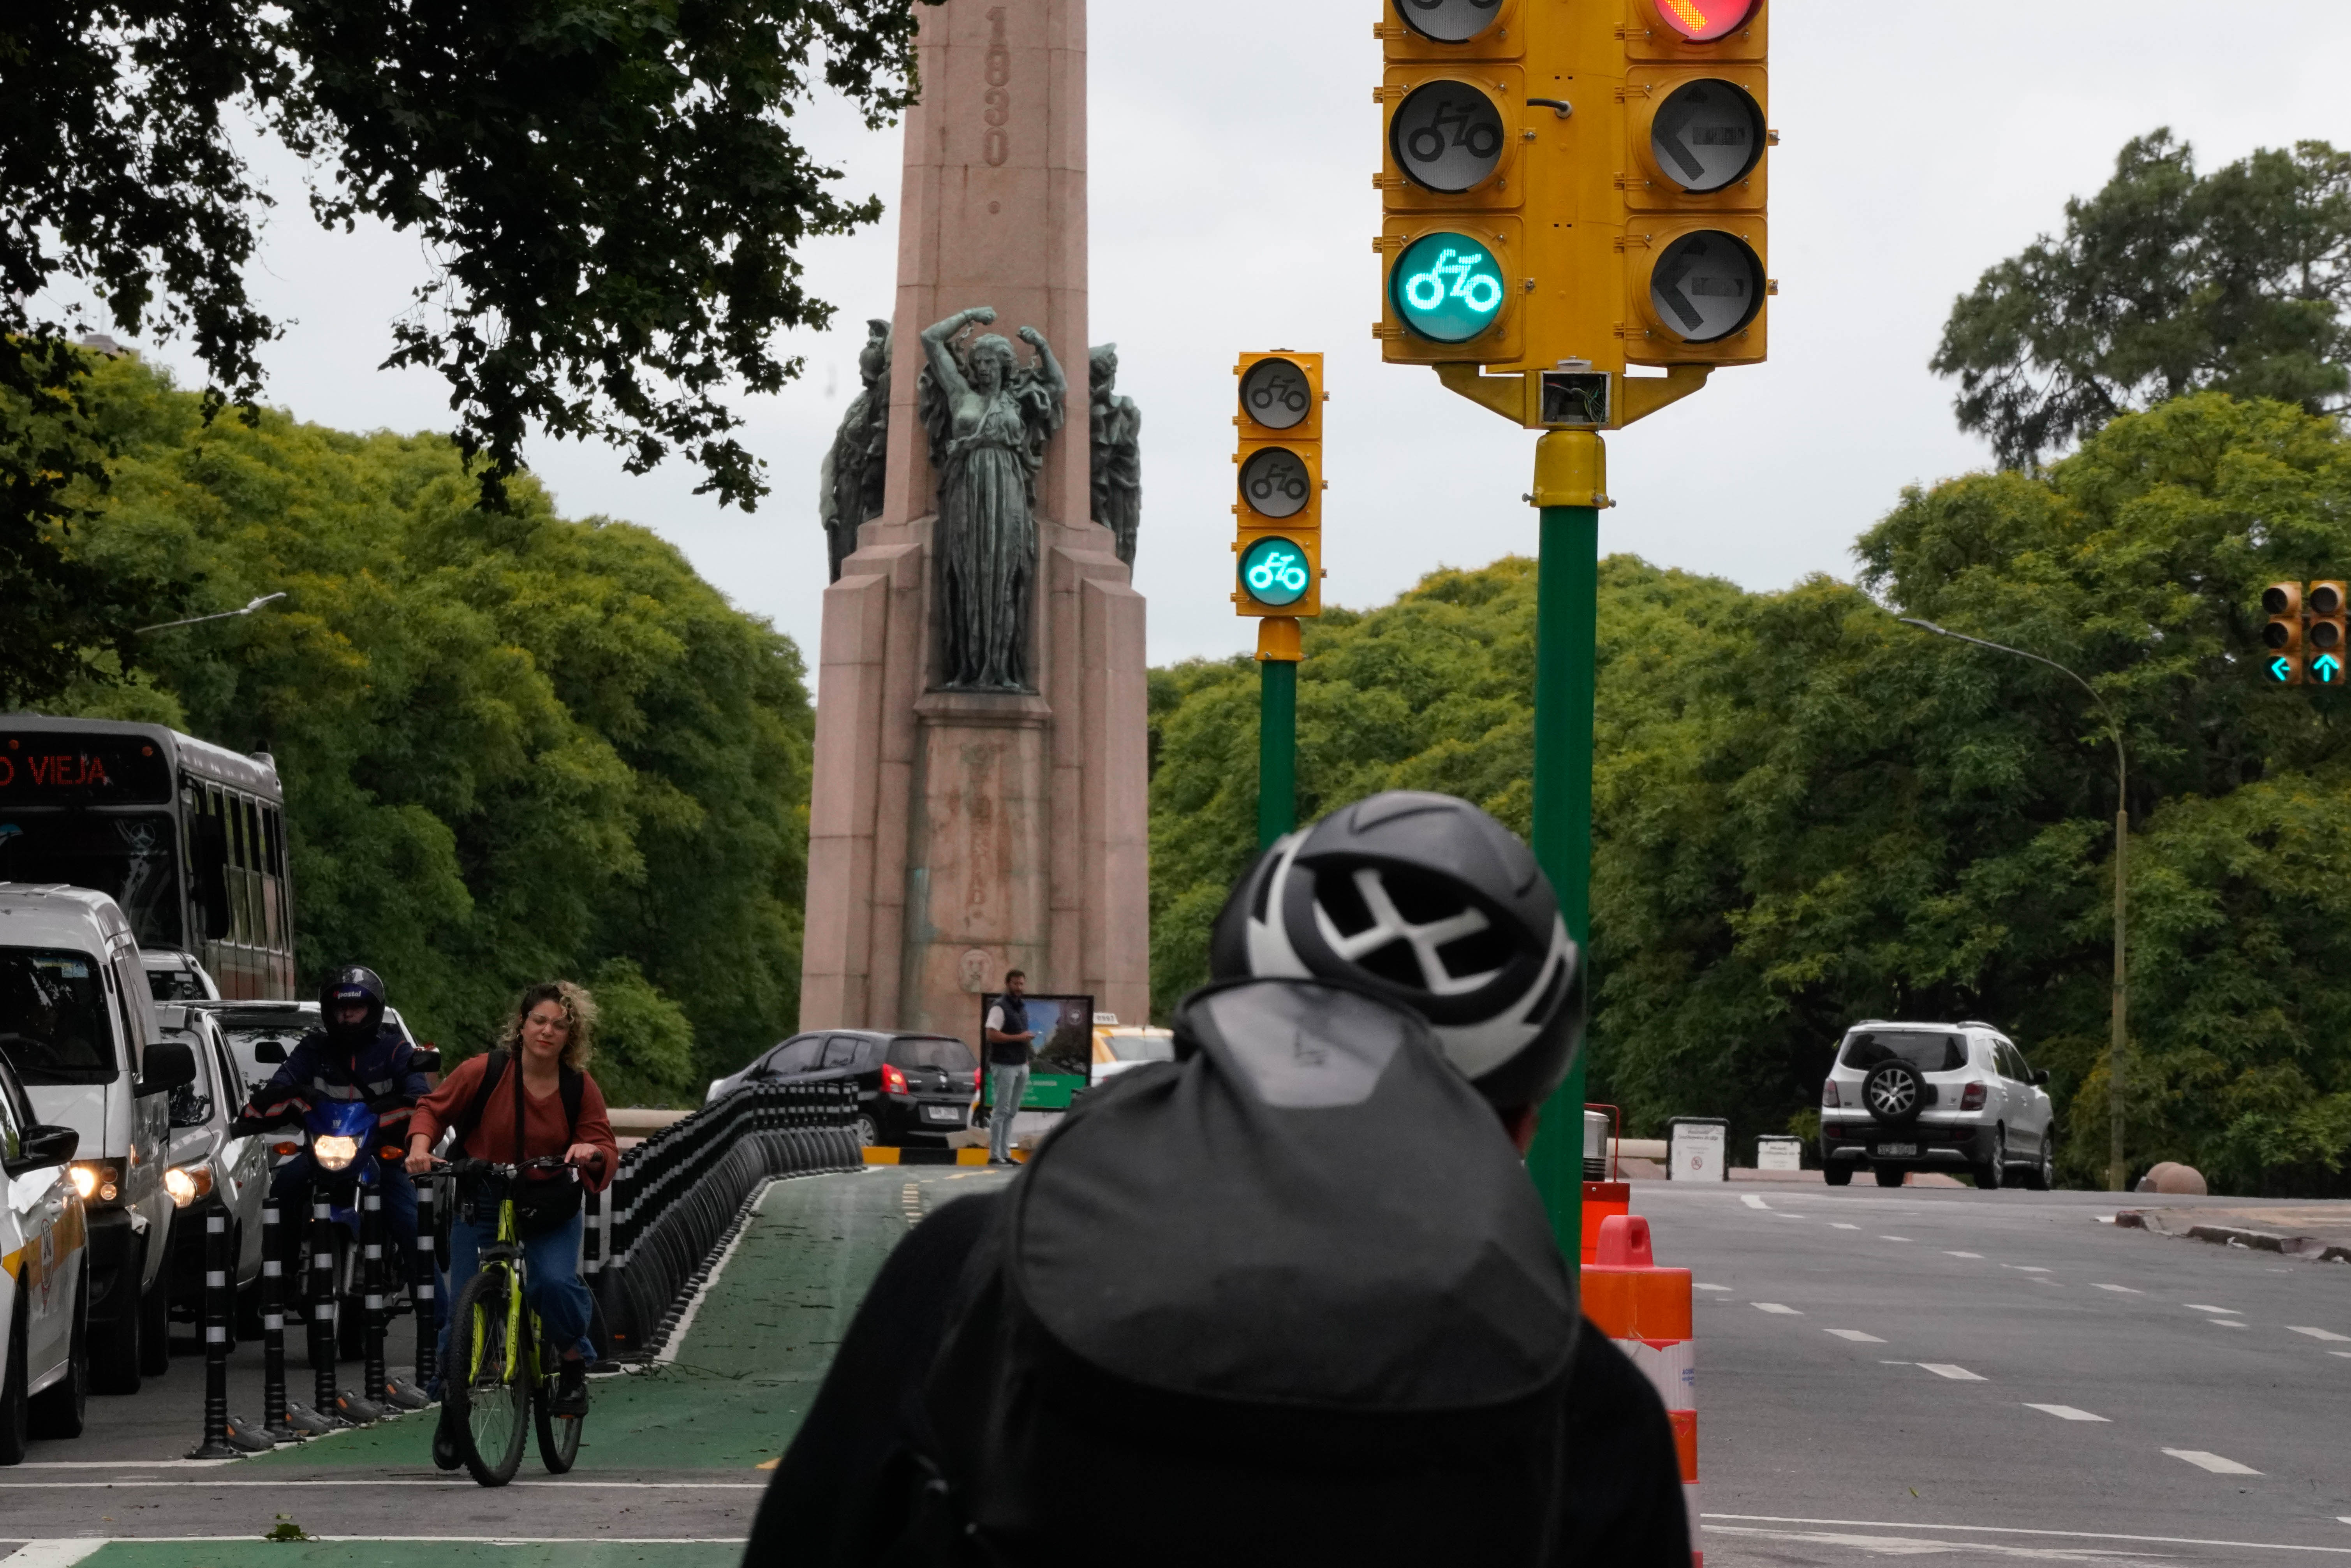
(2306, 634)
(1570, 189)
(1277, 510)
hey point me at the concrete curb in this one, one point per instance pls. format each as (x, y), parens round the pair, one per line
(2304, 1247)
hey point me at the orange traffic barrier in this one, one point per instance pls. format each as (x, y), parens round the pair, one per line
(1645, 1310)
(1601, 1199)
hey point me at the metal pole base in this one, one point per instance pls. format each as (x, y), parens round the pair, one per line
(246, 1437)
(358, 1410)
(403, 1395)
(309, 1422)
(215, 1450)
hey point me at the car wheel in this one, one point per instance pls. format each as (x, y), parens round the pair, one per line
(1994, 1171)
(155, 1326)
(1893, 1094)
(15, 1426)
(1838, 1175)
(867, 1134)
(114, 1358)
(1887, 1176)
(58, 1411)
(2042, 1175)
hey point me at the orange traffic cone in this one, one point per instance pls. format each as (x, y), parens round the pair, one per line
(1645, 1310)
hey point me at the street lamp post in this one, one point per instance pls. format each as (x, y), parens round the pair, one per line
(200, 619)
(2116, 1172)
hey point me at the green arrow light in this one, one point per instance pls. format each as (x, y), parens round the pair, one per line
(2326, 669)
(2279, 669)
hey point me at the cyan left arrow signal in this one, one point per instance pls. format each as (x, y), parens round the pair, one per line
(2281, 669)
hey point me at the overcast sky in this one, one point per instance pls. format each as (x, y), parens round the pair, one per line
(1233, 208)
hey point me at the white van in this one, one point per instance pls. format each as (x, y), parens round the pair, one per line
(78, 1024)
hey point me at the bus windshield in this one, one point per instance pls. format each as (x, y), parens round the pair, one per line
(131, 858)
(53, 1017)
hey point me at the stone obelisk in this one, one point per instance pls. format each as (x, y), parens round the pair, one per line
(956, 833)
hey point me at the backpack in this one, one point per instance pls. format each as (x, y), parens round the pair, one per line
(539, 1205)
(1290, 1296)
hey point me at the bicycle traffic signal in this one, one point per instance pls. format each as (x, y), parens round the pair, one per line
(2306, 639)
(1278, 514)
(1569, 189)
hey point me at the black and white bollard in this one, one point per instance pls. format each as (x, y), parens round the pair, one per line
(273, 1326)
(217, 1267)
(326, 1401)
(421, 1297)
(371, 1285)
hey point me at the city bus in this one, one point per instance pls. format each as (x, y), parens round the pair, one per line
(188, 838)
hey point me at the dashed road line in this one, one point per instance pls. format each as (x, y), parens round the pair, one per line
(2065, 1412)
(1841, 1225)
(2119, 1290)
(1751, 1201)
(2200, 1307)
(1956, 1374)
(1893, 1239)
(2025, 1268)
(1710, 1287)
(2212, 1462)
(1776, 1307)
(2224, 1323)
(2320, 1333)
(1856, 1336)
(2056, 1534)
(1949, 1253)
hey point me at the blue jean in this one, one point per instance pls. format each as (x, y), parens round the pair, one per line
(555, 1291)
(1007, 1086)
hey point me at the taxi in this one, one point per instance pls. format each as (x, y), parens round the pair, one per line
(1121, 1047)
(44, 1277)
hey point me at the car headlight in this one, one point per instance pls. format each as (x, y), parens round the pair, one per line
(97, 1181)
(334, 1153)
(186, 1184)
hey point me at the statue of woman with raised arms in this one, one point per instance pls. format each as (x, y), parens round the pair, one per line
(989, 418)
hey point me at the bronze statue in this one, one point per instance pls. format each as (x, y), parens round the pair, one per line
(1117, 454)
(848, 485)
(989, 418)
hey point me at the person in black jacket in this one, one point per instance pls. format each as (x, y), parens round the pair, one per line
(1414, 902)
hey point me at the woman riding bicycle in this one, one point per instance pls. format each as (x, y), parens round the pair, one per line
(553, 1033)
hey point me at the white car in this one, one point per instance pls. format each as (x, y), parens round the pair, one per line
(176, 977)
(213, 1171)
(45, 1283)
(1920, 1097)
(78, 1023)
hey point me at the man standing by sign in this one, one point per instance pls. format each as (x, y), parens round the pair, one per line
(1009, 1043)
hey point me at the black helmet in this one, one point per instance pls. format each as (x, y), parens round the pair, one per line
(1427, 901)
(351, 983)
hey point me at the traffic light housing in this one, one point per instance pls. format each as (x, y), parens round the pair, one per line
(1569, 189)
(2324, 649)
(2281, 635)
(1277, 476)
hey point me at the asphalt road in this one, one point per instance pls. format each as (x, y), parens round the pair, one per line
(1985, 1377)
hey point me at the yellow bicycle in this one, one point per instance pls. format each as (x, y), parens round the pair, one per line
(500, 1365)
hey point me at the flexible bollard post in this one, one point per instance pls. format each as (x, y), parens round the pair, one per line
(273, 1326)
(371, 1263)
(217, 1265)
(322, 1313)
(421, 1292)
(1645, 1310)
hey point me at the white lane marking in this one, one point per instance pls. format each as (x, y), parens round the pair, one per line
(1856, 1336)
(2320, 1333)
(125, 1464)
(2123, 1290)
(2213, 1462)
(1841, 1225)
(2025, 1268)
(55, 1552)
(2346, 1354)
(2061, 1534)
(1918, 1546)
(94, 1542)
(1949, 1253)
(2224, 1323)
(1710, 1287)
(1893, 1239)
(676, 1340)
(1751, 1201)
(1956, 1374)
(2200, 1307)
(136, 1485)
(1776, 1307)
(2065, 1412)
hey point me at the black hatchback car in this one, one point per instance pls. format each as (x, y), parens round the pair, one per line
(911, 1088)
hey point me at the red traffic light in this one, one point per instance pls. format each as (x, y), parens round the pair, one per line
(1703, 21)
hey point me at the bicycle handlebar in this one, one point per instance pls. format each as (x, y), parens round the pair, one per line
(472, 1168)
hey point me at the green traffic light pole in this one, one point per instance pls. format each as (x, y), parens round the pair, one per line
(2118, 1173)
(1278, 654)
(1571, 486)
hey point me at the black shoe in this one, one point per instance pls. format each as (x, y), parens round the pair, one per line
(444, 1441)
(570, 1389)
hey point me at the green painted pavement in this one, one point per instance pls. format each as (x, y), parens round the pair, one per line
(754, 1355)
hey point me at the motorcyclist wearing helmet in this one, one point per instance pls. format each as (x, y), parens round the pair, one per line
(1430, 905)
(353, 1054)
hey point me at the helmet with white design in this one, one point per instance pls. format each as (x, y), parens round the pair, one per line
(1428, 902)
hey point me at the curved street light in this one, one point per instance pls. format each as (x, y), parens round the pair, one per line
(2116, 1172)
(200, 619)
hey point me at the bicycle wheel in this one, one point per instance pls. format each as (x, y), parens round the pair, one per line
(488, 1385)
(558, 1436)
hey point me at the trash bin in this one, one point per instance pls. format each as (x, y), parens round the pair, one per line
(1697, 1148)
(1778, 1151)
(1596, 1145)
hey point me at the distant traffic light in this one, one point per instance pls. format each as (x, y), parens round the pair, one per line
(2281, 637)
(2323, 648)
(1278, 513)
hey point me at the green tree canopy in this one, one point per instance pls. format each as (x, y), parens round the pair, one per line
(2166, 282)
(1806, 814)
(515, 746)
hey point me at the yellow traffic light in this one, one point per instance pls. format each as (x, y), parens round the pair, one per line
(1278, 475)
(2281, 637)
(2322, 637)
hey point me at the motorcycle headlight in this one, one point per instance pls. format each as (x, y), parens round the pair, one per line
(333, 1151)
(97, 1181)
(186, 1184)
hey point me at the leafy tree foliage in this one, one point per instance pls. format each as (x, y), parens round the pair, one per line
(2166, 282)
(1807, 814)
(515, 746)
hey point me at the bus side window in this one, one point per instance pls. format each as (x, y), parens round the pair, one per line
(210, 851)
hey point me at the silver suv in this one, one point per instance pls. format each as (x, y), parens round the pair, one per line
(1918, 1096)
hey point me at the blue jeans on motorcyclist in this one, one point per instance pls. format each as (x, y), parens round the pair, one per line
(551, 1262)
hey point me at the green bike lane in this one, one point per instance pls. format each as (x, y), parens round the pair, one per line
(671, 1464)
